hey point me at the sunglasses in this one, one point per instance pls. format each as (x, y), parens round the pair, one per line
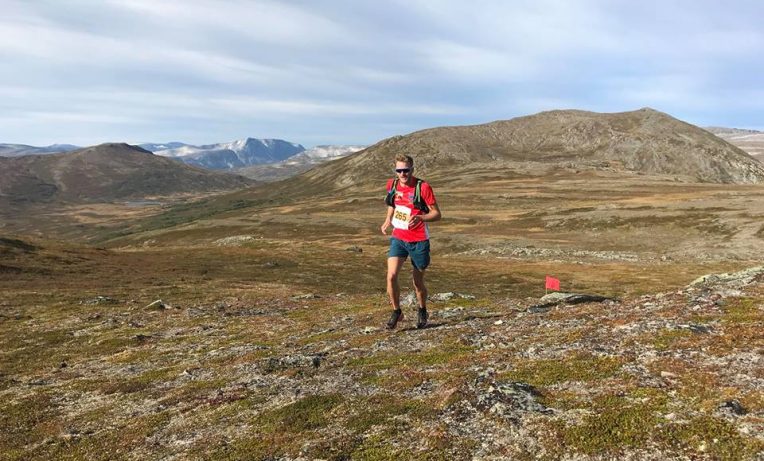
(403, 170)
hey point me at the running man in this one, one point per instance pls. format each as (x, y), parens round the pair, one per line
(410, 206)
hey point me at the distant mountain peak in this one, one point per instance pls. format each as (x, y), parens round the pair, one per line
(235, 154)
(117, 147)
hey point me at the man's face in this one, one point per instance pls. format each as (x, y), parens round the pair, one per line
(403, 171)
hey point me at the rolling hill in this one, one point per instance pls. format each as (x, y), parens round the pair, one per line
(644, 141)
(104, 173)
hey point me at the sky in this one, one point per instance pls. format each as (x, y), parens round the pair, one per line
(356, 72)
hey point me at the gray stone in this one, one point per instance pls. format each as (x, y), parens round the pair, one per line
(409, 300)
(734, 279)
(443, 296)
(450, 295)
(100, 300)
(734, 407)
(305, 296)
(509, 400)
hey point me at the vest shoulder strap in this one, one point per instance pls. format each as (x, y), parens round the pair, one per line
(390, 198)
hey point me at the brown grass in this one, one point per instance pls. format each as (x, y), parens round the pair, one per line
(226, 370)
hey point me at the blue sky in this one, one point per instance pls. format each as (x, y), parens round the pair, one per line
(355, 72)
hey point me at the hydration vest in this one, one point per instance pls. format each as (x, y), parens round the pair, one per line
(418, 202)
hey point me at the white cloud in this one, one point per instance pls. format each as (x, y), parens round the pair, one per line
(261, 21)
(456, 60)
(290, 66)
(270, 107)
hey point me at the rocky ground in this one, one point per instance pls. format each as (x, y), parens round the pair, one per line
(246, 327)
(262, 374)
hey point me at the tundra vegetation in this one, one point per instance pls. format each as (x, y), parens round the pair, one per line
(268, 342)
(249, 325)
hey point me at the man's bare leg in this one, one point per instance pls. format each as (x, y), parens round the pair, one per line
(393, 290)
(420, 288)
(394, 265)
(421, 297)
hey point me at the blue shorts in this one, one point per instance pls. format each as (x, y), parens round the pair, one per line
(419, 252)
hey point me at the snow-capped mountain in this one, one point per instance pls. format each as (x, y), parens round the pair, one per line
(17, 150)
(236, 154)
(298, 163)
(320, 154)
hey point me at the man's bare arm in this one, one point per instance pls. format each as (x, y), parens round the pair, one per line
(388, 220)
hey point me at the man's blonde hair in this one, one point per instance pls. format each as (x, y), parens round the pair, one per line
(404, 158)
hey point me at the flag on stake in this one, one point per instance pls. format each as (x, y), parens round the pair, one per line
(552, 283)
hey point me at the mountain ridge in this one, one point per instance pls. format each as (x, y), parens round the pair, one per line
(17, 150)
(297, 163)
(110, 171)
(644, 141)
(234, 154)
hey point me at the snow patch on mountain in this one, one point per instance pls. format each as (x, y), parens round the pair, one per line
(320, 154)
(234, 154)
(155, 147)
(298, 163)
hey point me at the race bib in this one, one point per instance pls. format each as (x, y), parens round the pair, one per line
(401, 217)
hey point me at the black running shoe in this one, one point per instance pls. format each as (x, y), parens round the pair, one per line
(421, 317)
(394, 318)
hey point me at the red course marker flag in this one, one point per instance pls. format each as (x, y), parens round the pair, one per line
(552, 283)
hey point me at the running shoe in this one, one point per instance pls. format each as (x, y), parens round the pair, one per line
(394, 318)
(421, 317)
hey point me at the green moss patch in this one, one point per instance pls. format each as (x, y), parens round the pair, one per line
(744, 311)
(25, 422)
(617, 423)
(669, 339)
(710, 437)
(444, 354)
(378, 410)
(309, 413)
(278, 431)
(577, 367)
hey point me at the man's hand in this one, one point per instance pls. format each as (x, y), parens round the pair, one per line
(414, 220)
(384, 226)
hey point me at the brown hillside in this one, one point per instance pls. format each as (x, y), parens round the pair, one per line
(751, 141)
(103, 173)
(642, 141)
